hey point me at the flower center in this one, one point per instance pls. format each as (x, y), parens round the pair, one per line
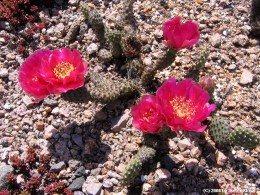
(35, 79)
(147, 115)
(184, 109)
(63, 70)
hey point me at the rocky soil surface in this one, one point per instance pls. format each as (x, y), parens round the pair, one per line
(90, 144)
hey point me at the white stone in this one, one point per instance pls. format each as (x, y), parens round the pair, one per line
(92, 48)
(246, 77)
(3, 72)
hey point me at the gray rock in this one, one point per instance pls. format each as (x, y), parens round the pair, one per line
(3, 72)
(55, 111)
(184, 144)
(113, 174)
(62, 150)
(119, 122)
(191, 164)
(246, 77)
(177, 159)
(92, 48)
(77, 139)
(50, 102)
(92, 188)
(28, 101)
(5, 169)
(77, 184)
(58, 167)
(216, 40)
(96, 171)
(78, 193)
(195, 152)
(220, 158)
(162, 174)
(81, 171)
(130, 147)
(241, 40)
(107, 183)
(49, 132)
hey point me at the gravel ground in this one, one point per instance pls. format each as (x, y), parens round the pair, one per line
(98, 139)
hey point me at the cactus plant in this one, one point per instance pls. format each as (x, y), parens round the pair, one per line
(96, 21)
(105, 89)
(244, 137)
(105, 55)
(135, 165)
(220, 130)
(131, 45)
(128, 13)
(114, 39)
(145, 154)
(135, 67)
(163, 62)
(131, 172)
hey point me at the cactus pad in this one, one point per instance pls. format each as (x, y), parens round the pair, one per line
(145, 154)
(135, 67)
(244, 137)
(220, 130)
(103, 88)
(105, 55)
(131, 171)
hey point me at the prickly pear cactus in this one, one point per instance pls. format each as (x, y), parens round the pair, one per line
(105, 55)
(145, 154)
(163, 62)
(135, 67)
(114, 39)
(220, 130)
(128, 13)
(131, 171)
(104, 89)
(131, 45)
(244, 137)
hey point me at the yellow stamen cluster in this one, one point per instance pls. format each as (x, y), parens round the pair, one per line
(147, 115)
(63, 70)
(184, 109)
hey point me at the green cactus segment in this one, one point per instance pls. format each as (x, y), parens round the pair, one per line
(103, 88)
(145, 154)
(131, 171)
(79, 95)
(105, 55)
(220, 130)
(244, 137)
(163, 62)
(128, 13)
(202, 59)
(114, 38)
(131, 45)
(95, 20)
(135, 67)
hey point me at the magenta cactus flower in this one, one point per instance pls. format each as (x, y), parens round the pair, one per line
(147, 116)
(184, 105)
(178, 35)
(52, 72)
